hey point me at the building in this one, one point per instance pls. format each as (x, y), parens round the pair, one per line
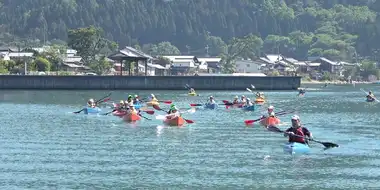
(213, 64)
(248, 66)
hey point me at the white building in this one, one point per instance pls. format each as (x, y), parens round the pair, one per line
(248, 66)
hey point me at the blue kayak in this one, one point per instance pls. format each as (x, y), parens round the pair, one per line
(296, 148)
(90, 110)
(370, 100)
(210, 106)
(137, 106)
(249, 108)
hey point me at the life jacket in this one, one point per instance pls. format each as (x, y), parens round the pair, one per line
(298, 132)
(235, 102)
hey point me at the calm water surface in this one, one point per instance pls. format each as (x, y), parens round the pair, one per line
(44, 146)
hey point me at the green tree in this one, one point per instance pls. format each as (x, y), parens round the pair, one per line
(55, 55)
(89, 42)
(40, 64)
(101, 66)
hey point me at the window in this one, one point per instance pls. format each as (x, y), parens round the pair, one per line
(248, 65)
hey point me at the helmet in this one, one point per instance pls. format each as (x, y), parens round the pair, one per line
(211, 97)
(136, 96)
(270, 107)
(129, 96)
(121, 101)
(248, 99)
(236, 97)
(91, 100)
(295, 117)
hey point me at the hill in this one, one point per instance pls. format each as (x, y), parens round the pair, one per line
(338, 29)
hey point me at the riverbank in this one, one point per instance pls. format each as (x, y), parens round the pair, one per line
(47, 82)
(336, 82)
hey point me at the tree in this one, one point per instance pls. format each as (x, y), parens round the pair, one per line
(247, 47)
(89, 42)
(101, 66)
(40, 64)
(55, 55)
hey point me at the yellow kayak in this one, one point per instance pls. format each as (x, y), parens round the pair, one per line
(152, 103)
(259, 101)
(193, 94)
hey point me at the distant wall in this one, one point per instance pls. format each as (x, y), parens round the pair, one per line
(147, 82)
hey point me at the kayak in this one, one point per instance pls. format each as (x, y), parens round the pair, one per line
(119, 113)
(152, 103)
(259, 101)
(270, 121)
(177, 121)
(137, 106)
(210, 106)
(296, 148)
(192, 94)
(249, 108)
(370, 100)
(90, 110)
(132, 117)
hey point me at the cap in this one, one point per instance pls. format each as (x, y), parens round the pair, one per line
(248, 99)
(136, 96)
(236, 97)
(295, 117)
(271, 107)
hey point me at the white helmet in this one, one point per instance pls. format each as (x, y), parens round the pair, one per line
(295, 117)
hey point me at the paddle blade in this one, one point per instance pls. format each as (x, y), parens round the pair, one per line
(167, 102)
(249, 122)
(253, 87)
(329, 145)
(105, 100)
(157, 107)
(196, 105)
(226, 101)
(150, 112)
(249, 90)
(189, 121)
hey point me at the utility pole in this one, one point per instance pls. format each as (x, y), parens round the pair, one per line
(207, 50)
(188, 49)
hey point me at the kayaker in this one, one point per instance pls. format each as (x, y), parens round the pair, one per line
(236, 100)
(129, 99)
(299, 130)
(370, 96)
(243, 99)
(153, 98)
(248, 103)
(173, 112)
(301, 91)
(259, 95)
(121, 104)
(91, 103)
(131, 109)
(271, 111)
(136, 99)
(325, 85)
(211, 100)
(191, 91)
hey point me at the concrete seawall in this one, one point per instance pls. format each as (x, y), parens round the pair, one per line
(147, 82)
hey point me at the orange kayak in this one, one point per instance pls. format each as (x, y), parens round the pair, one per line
(270, 121)
(132, 117)
(177, 121)
(259, 100)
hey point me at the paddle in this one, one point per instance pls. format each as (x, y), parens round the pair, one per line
(163, 117)
(371, 96)
(144, 117)
(188, 88)
(150, 112)
(249, 122)
(158, 108)
(230, 104)
(104, 99)
(327, 145)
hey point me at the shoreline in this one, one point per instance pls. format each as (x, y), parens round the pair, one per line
(334, 82)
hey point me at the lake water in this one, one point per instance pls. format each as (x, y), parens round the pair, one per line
(45, 146)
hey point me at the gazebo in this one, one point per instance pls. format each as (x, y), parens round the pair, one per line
(130, 55)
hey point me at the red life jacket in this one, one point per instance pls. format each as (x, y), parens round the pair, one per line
(298, 132)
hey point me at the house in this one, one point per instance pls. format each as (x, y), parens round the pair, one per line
(328, 65)
(312, 66)
(16, 55)
(7, 50)
(182, 64)
(248, 66)
(213, 64)
(74, 64)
